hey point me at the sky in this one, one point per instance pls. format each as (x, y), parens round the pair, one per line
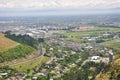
(59, 3)
(61, 7)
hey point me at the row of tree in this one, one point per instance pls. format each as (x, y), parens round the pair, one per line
(23, 39)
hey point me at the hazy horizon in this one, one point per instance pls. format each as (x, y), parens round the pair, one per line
(56, 12)
(55, 7)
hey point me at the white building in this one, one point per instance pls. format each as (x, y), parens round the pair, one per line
(95, 57)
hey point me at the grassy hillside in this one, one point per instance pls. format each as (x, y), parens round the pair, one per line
(30, 64)
(10, 50)
(16, 52)
(111, 71)
(6, 43)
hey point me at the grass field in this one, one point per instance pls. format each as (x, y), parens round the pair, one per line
(115, 44)
(77, 35)
(30, 64)
(6, 43)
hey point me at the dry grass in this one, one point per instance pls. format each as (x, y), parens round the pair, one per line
(6, 43)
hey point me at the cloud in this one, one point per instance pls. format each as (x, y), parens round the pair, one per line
(59, 3)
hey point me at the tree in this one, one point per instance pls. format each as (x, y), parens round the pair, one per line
(23, 39)
(48, 76)
(84, 56)
(41, 78)
(28, 71)
(40, 40)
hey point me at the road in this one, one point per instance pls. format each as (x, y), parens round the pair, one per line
(40, 53)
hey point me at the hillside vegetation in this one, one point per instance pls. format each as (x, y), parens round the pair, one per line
(16, 52)
(23, 39)
(6, 43)
(10, 50)
(31, 64)
(110, 71)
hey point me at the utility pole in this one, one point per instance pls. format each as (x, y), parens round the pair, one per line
(110, 56)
